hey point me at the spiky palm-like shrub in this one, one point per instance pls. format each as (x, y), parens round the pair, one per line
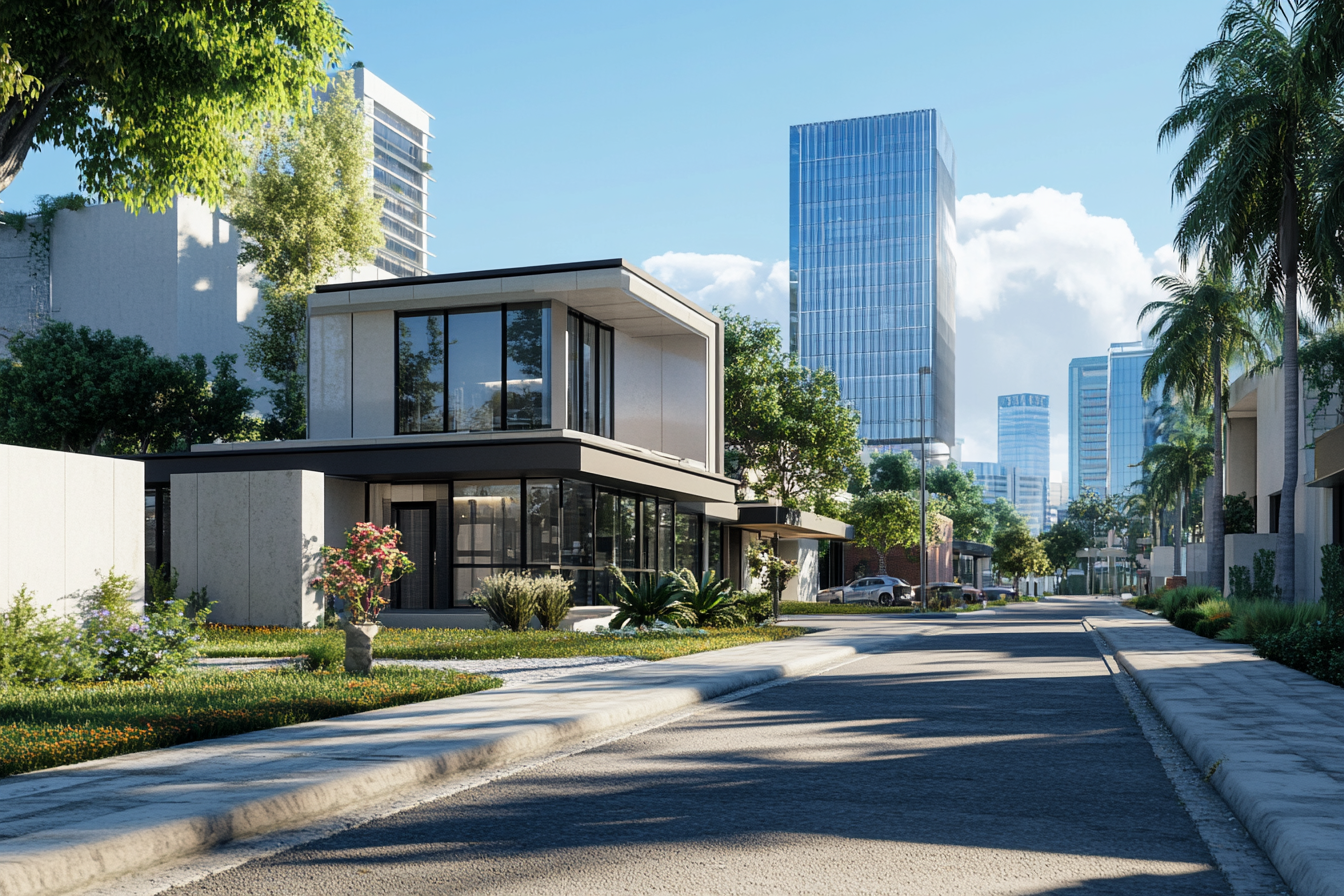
(710, 601)
(647, 602)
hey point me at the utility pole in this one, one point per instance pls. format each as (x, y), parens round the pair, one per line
(923, 496)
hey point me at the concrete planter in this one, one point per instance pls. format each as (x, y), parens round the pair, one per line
(359, 646)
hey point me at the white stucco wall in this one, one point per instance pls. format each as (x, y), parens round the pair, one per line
(253, 540)
(67, 519)
(806, 585)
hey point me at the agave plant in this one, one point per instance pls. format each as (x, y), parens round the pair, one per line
(644, 604)
(710, 601)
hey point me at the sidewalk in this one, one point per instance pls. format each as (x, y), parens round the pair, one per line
(66, 828)
(1270, 739)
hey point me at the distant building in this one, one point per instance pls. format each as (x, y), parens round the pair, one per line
(994, 479)
(1087, 425)
(1023, 491)
(1131, 419)
(400, 173)
(872, 279)
(1024, 433)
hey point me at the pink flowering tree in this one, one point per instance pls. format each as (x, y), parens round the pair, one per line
(361, 571)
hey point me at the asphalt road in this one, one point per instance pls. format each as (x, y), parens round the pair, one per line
(989, 756)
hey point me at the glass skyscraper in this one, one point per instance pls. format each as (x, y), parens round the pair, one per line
(1024, 433)
(1087, 425)
(1131, 419)
(872, 281)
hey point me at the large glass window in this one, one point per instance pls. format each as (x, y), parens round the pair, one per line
(666, 537)
(629, 543)
(527, 362)
(543, 521)
(688, 541)
(648, 521)
(420, 373)
(474, 365)
(474, 371)
(487, 523)
(590, 365)
(608, 528)
(577, 524)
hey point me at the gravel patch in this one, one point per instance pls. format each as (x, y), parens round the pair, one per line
(513, 670)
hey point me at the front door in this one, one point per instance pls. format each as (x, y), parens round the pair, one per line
(415, 522)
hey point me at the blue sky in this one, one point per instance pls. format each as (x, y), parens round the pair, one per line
(659, 132)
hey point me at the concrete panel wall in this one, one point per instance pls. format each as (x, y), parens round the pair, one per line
(329, 375)
(345, 501)
(1240, 550)
(253, 540)
(1242, 469)
(638, 398)
(685, 414)
(807, 584)
(67, 520)
(373, 375)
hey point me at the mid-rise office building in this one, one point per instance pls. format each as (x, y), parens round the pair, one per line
(1024, 433)
(1131, 419)
(401, 168)
(1025, 492)
(872, 281)
(1087, 425)
(993, 479)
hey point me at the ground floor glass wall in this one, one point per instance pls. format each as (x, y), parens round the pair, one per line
(458, 533)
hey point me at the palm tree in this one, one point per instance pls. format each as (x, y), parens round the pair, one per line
(1199, 331)
(1258, 102)
(1179, 460)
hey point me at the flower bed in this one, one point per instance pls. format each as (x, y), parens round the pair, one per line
(42, 727)
(481, 644)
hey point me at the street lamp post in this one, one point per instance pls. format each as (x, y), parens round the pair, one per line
(923, 496)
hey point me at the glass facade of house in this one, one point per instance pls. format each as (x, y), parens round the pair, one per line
(457, 533)
(872, 280)
(1024, 433)
(1131, 424)
(1087, 425)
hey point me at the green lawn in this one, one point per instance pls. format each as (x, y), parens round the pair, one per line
(807, 608)
(50, 726)
(479, 644)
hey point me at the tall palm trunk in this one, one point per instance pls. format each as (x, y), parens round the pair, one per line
(1178, 567)
(1285, 559)
(1214, 525)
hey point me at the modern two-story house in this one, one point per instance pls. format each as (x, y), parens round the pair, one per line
(561, 418)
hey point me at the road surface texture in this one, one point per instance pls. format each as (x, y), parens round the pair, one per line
(989, 756)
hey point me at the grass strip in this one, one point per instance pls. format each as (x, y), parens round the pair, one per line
(806, 608)
(480, 644)
(50, 726)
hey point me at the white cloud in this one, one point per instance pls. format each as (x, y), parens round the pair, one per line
(1040, 281)
(754, 287)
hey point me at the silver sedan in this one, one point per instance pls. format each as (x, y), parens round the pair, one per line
(886, 591)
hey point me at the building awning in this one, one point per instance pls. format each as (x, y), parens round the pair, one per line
(1329, 471)
(785, 522)
(971, 548)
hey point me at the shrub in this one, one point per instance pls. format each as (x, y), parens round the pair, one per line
(359, 573)
(1186, 617)
(1317, 649)
(37, 649)
(129, 646)
(1264, 587)
(1332, 577)
(1146, 602)
(1238, 514)
(1216, 615)
(710, 601)
(161, 589)
(1174, 600)
(553, 600)
(756, 606)
(509, 598)
(1255, 619)
(647, 602)
(1240, 582)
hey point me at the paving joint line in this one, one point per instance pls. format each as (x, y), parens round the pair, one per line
(1244, 865)
(238, 852)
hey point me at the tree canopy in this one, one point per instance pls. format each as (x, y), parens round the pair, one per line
(1063, 542)
(73, 389)
(1018, 553)
(883, 520)
(152, 95)
(788, 432)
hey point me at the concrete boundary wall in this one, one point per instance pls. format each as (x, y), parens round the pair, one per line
(67, 518)
(253, 540)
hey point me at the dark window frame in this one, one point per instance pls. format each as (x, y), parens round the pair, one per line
(576, 392)
(503, 311)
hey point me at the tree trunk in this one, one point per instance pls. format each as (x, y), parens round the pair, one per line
(1177, 568)
(1214, 526)
(16, 140)
(1285, 561)
(882, 563)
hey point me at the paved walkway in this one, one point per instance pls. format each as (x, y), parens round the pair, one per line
(991, 756)
(1269, 738)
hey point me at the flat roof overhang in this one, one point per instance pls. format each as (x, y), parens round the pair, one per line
(785, 522)
(972, 548)
(446, 459)
(1329, 459)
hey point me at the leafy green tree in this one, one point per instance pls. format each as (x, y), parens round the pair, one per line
(1063, 542)
(1175, 464)
(962, 501)
(1095, 514)
(73, 389)
(1239, 514)
(305, 210)
(1200, 329)
(789, 435)
(150, 96)
(894, 471)
(1005, 517)
(1260, 107)
(1018, 553)
(884, 520)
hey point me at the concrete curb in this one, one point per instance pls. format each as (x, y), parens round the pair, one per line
(1270, 739)
(258, 786)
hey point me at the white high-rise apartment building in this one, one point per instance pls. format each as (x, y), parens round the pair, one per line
(400, 174)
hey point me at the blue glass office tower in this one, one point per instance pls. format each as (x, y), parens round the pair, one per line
(872, 281)
(1087, 424)
(1131, 419)
(1024, 433)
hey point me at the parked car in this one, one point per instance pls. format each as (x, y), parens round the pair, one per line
(971, 593)
(994, 592)
(940, 594)
(885, 591)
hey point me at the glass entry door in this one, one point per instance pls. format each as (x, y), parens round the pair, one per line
(415, 522)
